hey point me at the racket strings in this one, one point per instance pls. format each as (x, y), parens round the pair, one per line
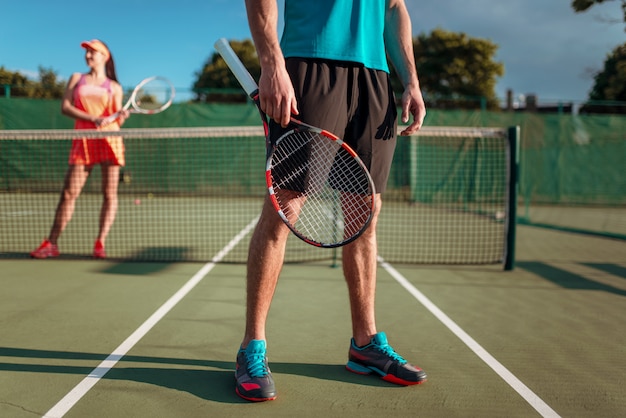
(153, 95)
(323, 191)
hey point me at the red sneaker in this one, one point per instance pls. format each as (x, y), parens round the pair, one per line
(98, 250)
(46, 250)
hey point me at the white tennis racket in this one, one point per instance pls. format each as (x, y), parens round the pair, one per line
(152, 95)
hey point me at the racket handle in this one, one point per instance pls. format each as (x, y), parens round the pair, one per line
(236, 66)
(110, 119)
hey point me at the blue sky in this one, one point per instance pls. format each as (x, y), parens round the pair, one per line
(546, 48)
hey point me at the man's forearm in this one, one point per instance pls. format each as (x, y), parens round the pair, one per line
(263, 23)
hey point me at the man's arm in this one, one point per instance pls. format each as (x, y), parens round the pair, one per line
(276, 92)
(399, 44)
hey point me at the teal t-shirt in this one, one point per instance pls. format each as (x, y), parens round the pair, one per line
(344, 30)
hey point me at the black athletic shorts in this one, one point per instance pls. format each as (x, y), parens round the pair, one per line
(351, 101)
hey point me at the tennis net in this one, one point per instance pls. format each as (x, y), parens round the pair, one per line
(185, 193)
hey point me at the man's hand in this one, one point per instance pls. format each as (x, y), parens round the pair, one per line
(412, 104)
(277, 96)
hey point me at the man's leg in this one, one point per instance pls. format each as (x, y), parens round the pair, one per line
(265, 261)
(359, 269)
(369, 350)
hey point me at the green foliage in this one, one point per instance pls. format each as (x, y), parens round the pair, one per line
(47, 87)
(215, 82)
(18, 83)
(451, 66)
(454, 67)
(610, 83)
(583, 5)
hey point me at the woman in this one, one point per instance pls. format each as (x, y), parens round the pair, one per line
(89, 98)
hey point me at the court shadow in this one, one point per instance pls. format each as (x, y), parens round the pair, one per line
(143, 266)
(207, 379)
(610, 268)
(566, 279)
(138, 263)
(65, 256)
(136, 268)
(212, 385)
(522, 220)
(218, 385)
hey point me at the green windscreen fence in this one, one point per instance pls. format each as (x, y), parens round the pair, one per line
(571, 167)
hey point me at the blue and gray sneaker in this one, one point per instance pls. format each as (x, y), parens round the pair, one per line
(254, 378)
(379, 357)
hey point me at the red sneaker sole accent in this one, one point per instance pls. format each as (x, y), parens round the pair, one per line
(397, 381)
(247, 398)
(388, 378)
(43, 257)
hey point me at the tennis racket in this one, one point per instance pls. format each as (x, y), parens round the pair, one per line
(152, 95)
(318, 185)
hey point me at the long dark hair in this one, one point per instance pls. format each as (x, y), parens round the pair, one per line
(109, 66)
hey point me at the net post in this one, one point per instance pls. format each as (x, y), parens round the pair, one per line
(513, 137)
(335, 258)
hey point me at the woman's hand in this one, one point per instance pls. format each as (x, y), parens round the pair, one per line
(101, 122)
(124, 114)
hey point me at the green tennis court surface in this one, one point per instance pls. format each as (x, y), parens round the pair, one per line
(153, 331)
(544, 339)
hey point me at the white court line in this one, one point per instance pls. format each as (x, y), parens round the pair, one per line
(65, 404)
(517, 385)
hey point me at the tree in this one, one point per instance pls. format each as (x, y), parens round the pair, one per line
(18, 84)
(454, 67)
(583, 5)
(610, 83)
(216, 82)
(47, 87)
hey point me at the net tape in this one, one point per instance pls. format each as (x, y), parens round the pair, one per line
(208, 132)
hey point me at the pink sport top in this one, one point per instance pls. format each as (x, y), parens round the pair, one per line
(96, 100)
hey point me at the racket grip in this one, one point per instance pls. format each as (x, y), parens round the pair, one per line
(110, 119)
(236, 66)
